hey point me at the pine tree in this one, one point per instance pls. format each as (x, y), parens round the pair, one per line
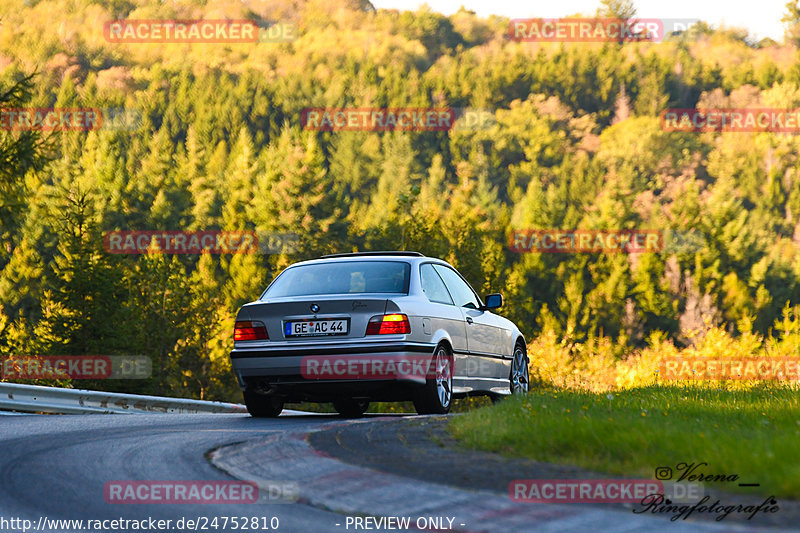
(240, 182)
(791, 19)
(618, 9)
(20, 152)
(390, 206)
(295, 194)
(87, 286)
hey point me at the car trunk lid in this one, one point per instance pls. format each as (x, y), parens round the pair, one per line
(329, 317)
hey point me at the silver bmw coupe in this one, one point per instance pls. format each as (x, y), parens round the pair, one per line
(374, 326)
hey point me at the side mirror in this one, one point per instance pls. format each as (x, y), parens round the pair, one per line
(493, 301)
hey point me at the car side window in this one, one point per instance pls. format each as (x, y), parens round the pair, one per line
(432, 285)
(458, 288)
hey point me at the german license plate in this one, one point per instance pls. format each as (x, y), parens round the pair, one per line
(316, 328)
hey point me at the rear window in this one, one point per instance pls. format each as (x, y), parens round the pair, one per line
(341, 277)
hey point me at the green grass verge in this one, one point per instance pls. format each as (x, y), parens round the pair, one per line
(752, 433)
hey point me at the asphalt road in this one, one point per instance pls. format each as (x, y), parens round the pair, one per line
(57, 466)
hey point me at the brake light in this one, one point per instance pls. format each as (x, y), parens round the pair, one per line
(250, 331)
(388, 325)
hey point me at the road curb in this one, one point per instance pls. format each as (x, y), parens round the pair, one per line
(330, 484)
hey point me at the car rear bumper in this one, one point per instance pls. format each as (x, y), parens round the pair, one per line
(377, 370)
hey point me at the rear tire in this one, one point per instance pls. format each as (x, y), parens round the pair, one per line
(436, 396)
(350, 408)
(519, 378)
(260, 406)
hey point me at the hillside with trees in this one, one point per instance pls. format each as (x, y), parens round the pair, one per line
(575, 141)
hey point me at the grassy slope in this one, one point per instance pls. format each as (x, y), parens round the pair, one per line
(753, 433)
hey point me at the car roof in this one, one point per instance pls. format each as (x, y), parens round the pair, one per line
(408, 257)
(362, 254)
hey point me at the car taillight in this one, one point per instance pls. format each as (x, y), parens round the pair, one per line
(250, 331)
(388, 325)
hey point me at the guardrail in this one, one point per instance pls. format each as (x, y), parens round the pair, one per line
(38, 399)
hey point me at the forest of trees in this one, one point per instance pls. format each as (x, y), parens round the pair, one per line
(575, 142)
